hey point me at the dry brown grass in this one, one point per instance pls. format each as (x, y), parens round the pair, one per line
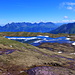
(27, 55)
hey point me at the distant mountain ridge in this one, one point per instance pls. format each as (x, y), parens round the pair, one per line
(65, 28)
(28, 27)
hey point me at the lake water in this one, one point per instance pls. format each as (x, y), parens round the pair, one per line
(37, 40)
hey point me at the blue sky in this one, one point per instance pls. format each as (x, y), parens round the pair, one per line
(37, 10)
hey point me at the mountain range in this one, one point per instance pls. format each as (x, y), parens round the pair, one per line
(42, 27)
(65, 28)
(29, 27)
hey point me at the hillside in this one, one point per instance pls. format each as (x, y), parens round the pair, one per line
(66, 28)
(26, 34)
(28, 27)
(16, 57)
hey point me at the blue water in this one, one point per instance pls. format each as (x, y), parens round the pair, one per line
(37, 40)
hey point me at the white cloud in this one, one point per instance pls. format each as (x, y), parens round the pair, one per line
(68, 21)
(68, 5)
(65, 17)
(70, 8)
(65, 21)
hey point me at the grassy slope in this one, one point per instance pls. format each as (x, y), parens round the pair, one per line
(56, 47)
(5, 43)
(26, 55)
(24, 51)
(30, 34)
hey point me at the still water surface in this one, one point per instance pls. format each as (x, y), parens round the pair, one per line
(37, 40)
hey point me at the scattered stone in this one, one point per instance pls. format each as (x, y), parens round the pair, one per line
(10, 45)
(60, 52)
(72, 53)
(59, 48)
(21, 71)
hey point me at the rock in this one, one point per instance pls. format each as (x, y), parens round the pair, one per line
(47, 70)
(72, 53)
(60, 52)
(10, 45)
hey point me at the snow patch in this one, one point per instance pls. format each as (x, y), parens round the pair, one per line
(38, 41)
(73, 43)
(68, 38)
(14, 38)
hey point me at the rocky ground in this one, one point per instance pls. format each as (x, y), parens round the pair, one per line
(46, 70)
(56, 47)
